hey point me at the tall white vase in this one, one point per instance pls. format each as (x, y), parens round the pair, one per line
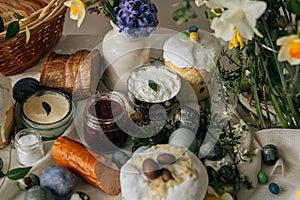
(121, 55)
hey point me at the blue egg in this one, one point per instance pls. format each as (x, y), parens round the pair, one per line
(193, 29)
(274, 188)
(183, 137)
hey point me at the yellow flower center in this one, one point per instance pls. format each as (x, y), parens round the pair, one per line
(236, 40)
(295, 50)
(74, 10)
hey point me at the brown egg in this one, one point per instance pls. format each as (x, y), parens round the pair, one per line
(151, 169)
(166, 158)
(166, 175)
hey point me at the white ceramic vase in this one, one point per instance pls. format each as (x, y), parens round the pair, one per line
(121, 55)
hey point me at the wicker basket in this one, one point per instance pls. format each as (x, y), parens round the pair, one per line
(45, 26)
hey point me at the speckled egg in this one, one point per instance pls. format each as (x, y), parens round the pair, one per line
(183, 137)
(274, 188)
(59, 180)
(269, 154)
(194, 36)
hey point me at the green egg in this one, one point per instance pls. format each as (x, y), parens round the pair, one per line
(262, 178)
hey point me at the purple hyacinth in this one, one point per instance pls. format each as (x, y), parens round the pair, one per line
(137, 18)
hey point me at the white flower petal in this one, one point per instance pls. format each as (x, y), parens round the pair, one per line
(285, 39)
(223, 29)
(245, 29)
(74, 17)
(254, 8)
(283, 53)
(233, 16)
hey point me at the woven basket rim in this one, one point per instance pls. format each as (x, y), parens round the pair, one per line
(40, 16)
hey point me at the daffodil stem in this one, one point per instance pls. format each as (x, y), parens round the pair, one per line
(274, 102)
(255, 95)
(282, 79)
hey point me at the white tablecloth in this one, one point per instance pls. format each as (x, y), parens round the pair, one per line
(287, 142)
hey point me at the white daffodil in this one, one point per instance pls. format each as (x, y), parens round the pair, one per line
(290, 49)
(77, 10)
(239, 14)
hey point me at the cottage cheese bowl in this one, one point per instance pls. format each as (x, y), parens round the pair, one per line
(50, 112)
(153, 85)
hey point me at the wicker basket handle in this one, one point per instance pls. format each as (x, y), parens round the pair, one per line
(48, 9)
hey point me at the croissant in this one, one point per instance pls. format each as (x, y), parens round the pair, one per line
(76, 74)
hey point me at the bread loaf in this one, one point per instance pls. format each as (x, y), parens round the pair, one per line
(90, 166)
(76, 74)
(6, 110)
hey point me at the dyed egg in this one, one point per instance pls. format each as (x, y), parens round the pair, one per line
(270, 154)
(184, 35)
(274, 188)
(194, 36)
(183, 137)
(262, 178)
(193, 29)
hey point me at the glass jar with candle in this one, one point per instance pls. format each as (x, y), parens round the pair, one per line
(29, 146)
(104, 118)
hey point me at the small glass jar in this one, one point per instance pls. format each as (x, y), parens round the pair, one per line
(104, 119)
(153, 89)
(29, 146)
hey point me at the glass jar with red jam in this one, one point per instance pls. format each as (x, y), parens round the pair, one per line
(104, 118)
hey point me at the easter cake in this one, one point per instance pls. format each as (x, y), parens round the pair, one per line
(193, 54)
(163, 172)
(6, 110)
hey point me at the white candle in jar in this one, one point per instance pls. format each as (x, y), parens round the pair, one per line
(29, 146)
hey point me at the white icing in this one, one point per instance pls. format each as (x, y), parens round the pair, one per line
(35, 111)
(168, 84)
(190, 177)
(6, 102)
(186, 53)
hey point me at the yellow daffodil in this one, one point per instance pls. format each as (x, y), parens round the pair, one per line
(215, 196)
(77, 10)
(236, 40)
(290, 49)
(239, 14)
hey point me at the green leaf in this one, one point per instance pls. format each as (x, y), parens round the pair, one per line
(27, 34)
(152, 85)
(1, 25)
(18, 173)
(293, 6)
(1, 174)
(47, 107)
(12, 30)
